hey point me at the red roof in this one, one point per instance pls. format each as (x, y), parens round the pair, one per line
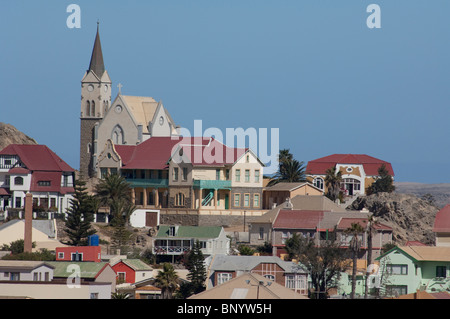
(298, 219)
(155, 152)
(346, 223)
(4, 192)
(442, 220)
(370, 164)
(37, 157)
(54, 178)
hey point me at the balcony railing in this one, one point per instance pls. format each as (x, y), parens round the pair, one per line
(212, 184)
(173, 250)
(148, 183)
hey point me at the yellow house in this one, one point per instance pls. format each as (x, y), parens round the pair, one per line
(359, 171)
(277, 194)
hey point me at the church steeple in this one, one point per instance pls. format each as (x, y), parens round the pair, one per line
(97, 65)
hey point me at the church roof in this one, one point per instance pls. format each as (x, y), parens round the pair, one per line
(370, 164)
(97, 65)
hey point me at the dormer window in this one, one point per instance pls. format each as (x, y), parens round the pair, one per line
(172, 231)
(44, 183)
(18, 180)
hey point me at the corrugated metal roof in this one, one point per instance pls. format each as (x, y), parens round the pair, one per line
(190, 232)
(87, 269)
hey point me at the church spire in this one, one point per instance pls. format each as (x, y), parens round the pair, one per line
(97, 65)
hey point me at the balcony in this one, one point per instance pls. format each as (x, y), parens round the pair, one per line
(212, 184)
(148, 183)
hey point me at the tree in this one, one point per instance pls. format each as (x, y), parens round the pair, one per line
(194, 263)
(245, 250)
(114, 192)
(167, 280)
(289, 169)
(355, 244)
(383, 183)
(324, 262)
(372, 221)
(333, 181)
(80, 216)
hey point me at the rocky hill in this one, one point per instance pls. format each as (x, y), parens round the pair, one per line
(10, 135)
(410, 216)
(440, 192)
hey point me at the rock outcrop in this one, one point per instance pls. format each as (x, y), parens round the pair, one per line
(411, 217)
(10, 135)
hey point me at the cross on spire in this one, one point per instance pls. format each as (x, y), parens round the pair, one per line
(120, 88)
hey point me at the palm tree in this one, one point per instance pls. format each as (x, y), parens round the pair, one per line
(355, 244)
(167, 279)
(371, 222)
(114, 192)
(289, 169)
(333, 181)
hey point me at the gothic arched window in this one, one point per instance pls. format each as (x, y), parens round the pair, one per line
(93, 108)
(117, 135)
(88, 108)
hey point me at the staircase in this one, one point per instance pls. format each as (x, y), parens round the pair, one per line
(208, 198)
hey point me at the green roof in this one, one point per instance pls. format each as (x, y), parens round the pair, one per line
(88, 269)
(190, 232)
(136, 264)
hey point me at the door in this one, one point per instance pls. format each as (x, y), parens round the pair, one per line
(151, 219)
(227, 203)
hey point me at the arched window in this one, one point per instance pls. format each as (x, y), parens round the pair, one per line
(93, 108)
(18, 180)
(318, 182)
(117, 135)
(179, 199)
(88, 108)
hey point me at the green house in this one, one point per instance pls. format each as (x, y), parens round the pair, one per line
(406, 269)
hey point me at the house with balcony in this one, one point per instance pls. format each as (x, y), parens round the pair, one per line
(175, 240)
(37, 170)
(185, 176)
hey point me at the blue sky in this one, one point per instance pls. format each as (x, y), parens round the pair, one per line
(313, 69)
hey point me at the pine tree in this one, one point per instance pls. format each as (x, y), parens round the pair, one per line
(196, 267)
(80, 216)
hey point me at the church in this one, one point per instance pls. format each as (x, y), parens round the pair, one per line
(126, 120)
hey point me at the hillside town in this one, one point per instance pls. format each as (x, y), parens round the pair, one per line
(153, 214)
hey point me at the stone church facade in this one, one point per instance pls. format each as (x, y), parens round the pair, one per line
(128, 120)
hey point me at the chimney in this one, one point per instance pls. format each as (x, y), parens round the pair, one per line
(28, 222)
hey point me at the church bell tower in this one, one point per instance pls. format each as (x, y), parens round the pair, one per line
(95, 101)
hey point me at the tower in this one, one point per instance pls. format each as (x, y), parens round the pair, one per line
(95, 101)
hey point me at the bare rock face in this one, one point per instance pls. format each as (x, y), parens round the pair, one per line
(10, 135)
(411, 217)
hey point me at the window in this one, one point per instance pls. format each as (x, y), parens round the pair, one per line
(77, 256)
(441, 271)
(179, 199)
(185, 173)
(94, 295)
(257, 176)
(223, 277)
(237, 200)
(261, 233)
(217, 174)
(247, 159)
(256, 200)
(246, 200)
(396, 290)
(14, 276)
(88, 108)
(60, 255)
(18, 202)
(18, 180)
(227, 174)
(247, 175)
(238, 175)
(397, 269)
(47, 276)
(285, 235)
(175, 173)
(318, 182)
(270, 277)
(295, 281)
(44, 183)
(172, 231)
(35, 276)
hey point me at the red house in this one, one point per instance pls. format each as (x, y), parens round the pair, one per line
(78, 253)
(132, 270)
